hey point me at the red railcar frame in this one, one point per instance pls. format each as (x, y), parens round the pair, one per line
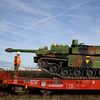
(48, 83)
(54, 84)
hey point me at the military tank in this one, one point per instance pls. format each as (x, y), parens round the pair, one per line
(77, 61)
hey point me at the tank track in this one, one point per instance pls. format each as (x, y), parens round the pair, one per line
(71, 77)
(57, 75)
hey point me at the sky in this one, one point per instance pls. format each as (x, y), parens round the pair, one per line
(30, 24)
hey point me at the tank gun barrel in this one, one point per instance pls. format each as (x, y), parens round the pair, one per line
(21, 50)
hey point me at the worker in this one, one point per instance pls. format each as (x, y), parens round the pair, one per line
(17, 61)
(87, 62)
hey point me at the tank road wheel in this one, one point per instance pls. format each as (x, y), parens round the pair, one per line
(90, 72)
(78, 72)
(65, 72)
(42, 63)
(54, 68)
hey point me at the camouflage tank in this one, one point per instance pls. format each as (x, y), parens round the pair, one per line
(71, 62)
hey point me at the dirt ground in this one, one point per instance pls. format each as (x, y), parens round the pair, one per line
(54, 96)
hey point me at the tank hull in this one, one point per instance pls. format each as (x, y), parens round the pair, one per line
(73, 66)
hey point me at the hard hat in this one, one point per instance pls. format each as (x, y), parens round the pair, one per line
(87, 56)
(18, 52)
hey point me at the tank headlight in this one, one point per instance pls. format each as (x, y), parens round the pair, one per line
(43, 84)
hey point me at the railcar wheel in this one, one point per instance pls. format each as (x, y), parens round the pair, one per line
(90, 72)
(42, 63)
(54, 68)
(19, 90)
(99, 73)
(65, 72)
(78, 72)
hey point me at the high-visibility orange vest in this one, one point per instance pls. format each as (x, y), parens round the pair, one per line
(17, 60)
